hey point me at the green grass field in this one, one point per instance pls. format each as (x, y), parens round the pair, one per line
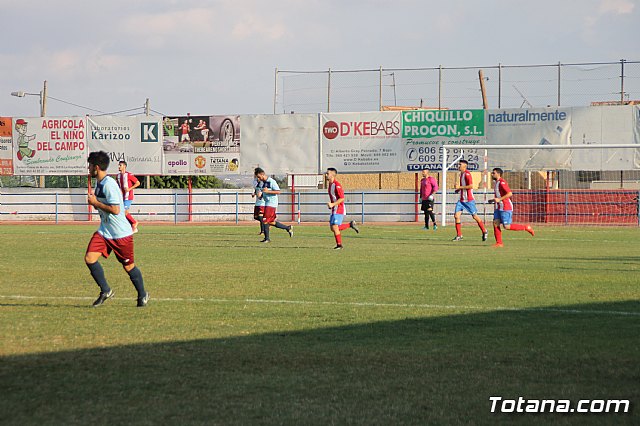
(402, 327)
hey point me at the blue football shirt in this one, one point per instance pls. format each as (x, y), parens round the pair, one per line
(271, 200)
(257, 187)
(112, 226)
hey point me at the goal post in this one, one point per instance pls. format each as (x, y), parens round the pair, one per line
(595, 184)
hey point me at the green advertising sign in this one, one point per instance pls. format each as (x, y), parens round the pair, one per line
(457, 123)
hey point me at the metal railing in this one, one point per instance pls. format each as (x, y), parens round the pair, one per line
(560, 207)
(234, 206)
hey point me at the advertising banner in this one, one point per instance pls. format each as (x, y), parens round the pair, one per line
(605, 125)
(136, 140)
(280, 144)
(207, 145)
(537, 126)
(49, 146)
(362, 142)
(425, 131)
(6, 147)
(636, 128)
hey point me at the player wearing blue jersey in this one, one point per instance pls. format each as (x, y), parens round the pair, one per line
(269, 193)
(258, 209)
(114, 234)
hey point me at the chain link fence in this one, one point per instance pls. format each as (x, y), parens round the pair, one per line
(507, 86)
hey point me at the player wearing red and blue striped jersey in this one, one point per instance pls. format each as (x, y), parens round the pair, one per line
(503, 208)
(127, 183)
(467, 202)
(338, 208)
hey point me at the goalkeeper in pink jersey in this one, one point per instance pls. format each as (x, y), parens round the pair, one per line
(503, 210)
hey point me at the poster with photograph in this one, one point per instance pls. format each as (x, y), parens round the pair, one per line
(208, 145)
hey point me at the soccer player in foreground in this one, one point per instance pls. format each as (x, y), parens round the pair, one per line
(258, 209)
(503, 209)
(127, 182)
(338, 209)
(467, 202)
(269, 193)
(428, 189)
(114, 234)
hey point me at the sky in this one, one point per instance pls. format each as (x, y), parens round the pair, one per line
(219, 56)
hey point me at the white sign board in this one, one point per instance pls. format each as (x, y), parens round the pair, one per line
(136, 140)
(538, 126)
(604, 125)
(362, 142)
(280, 144)
(49, 146)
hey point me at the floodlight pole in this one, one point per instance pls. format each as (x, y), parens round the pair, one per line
(443, 185)
(275, 90)
(43, 113)
(380, 90)
(329, 91)
(147, 112)
(622, 61)
(43, 100)
(42, 95)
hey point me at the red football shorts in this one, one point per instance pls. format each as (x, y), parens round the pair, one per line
(122, 247)
(269, 214)
(258, 211)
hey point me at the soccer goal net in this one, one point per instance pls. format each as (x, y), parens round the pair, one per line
(551, 184)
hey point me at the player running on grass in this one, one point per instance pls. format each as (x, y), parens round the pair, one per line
(127, 183)
(258, 209)
(503, 210)
(114, 234)
(467, 202)
(269, 193)
(338, 209)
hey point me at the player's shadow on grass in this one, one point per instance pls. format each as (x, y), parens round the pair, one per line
(235, 245)
(428, 370)
(599, 264)
(603, 259)
(30, 305)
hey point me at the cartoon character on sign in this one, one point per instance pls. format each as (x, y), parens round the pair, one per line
(23, 140)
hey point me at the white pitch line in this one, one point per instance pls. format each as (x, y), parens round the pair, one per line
(334, 303)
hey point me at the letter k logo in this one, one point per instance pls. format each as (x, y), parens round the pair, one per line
(149, 132)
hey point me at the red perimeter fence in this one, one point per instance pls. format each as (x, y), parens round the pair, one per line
(572, 206)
